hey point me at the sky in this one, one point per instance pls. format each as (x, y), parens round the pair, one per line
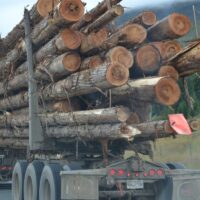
(11, 12)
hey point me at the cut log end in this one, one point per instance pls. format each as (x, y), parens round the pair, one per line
(72, 62)
(172, 47)
(121, 55)
(167, 91)
(72, 10)
(118, 10)
(123, 113)
(169, 71)
(44, 7)
(98, 38)
(133, 119)
(71, 39)
(95, 61)
(149, 18)
(195, 125)
(148, 59)
(134, 33)
(65, 106)
(117, 74)
(180, 24)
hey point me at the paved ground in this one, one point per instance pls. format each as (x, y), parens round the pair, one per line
(5, 191)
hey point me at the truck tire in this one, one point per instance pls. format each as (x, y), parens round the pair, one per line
(50, 183)
(18, 180)
(32, 180)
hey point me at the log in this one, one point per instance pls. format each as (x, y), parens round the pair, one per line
(171, 27)
(162, 90)
(45, 7)
(93, 41)
(17, 32)
(129, 35)
(51, 68)
(88, 81)
(168, 48)
(194, 124)
(86, 132)
(93, 14)
(65, 41)
(146, 19)
(168, 71)
(120, 55)
(74, 118)
(91, 62)
(147, 60)
(133, 119)
(43, 32)
(187, 62)
(104, 19)
(13, 143)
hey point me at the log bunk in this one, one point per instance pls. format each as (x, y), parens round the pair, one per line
(94, 84)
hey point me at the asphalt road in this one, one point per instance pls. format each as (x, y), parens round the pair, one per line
(5, 192)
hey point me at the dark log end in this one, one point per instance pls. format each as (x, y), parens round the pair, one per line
(148, 59)
(134, 33)
(121, 55)
(72, 62)
(195, 125)
(180, 24)
(133, 119)
(149, 18)
(167, 91)
(169, 71)
(71, 39)
(44, 7)
(117, 74)
(172, 47)
(72, 10)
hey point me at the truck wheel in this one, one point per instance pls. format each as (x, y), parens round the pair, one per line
(175, 166)
(32, 180)
(50, 183)
(18, 180)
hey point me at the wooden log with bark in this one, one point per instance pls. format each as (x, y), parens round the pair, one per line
(65, 41)
(146, 19)
(104, 19)
(168, 71)
(171, 27)
(162, 90)
(167, 48)
(72, 118)
(147, 60)
(49, 70)
(104, 77)
(93, 14)
(44, 31)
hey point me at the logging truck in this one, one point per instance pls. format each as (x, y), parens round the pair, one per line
(75, 94)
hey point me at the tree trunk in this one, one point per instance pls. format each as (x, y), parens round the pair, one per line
(65, 41)
(162, 90)
(43, 32)
(147, 60)
(50, 68)
(146, 19)
(171, 27)
(93, 14)
(168, 48)
(73, 118)
(168, 71)
(104, 19)
(120, 55)
(17, 32)
(86, 132)
(80, 83)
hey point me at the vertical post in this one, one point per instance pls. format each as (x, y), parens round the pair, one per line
(36, 137)
(195, 21)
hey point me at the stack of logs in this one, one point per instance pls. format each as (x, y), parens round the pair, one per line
(96, 81)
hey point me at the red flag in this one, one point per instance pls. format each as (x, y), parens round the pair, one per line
(179, 124)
